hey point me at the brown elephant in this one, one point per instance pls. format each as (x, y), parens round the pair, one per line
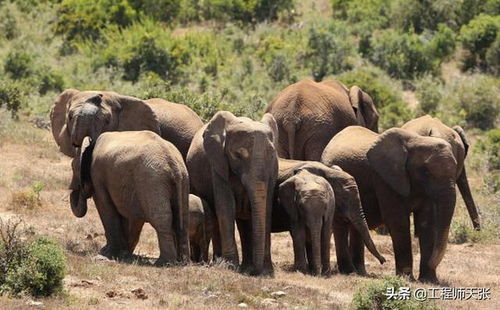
(309, 114)
(233, 166)
(135, 177)
(433, 127)
(348, 210)
(200, 228)
(399, 173)
(309, 202)
(79, 114)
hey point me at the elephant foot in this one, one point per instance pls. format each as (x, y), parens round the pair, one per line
(112, 252)
(346, 269)
(163, 262)
(429, 277)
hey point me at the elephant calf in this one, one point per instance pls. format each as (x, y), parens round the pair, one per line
(135, 177)
(309, 202)
(200, 228)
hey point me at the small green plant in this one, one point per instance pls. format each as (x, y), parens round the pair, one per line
(372, 296)
(31, 266)
(29, 198)
(12, 96)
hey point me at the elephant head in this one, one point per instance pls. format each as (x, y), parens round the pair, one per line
(420, 166)
(348, 208)
(244, 149)
(366, 112)
(309, 202)
(81, 183)
(79, 114)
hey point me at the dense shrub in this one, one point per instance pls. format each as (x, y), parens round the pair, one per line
(402, 55)
(330, 50)
(493, 57)
(243, 10)
(163, 10)
(476, 37)
(429, 94)
(12, 96)
(372, 296)
(142, 47)
(18, 64)
(489, 146)
(442, 44)
(33, 267)
(84, 19)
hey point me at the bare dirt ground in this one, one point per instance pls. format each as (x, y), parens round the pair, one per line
(28, 155)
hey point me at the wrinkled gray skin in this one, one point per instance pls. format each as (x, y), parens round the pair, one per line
(233, 166)
(79, 114)
(399, 173)
(433, 127)
(348, 210)
(201, 220)
(309, 202)
(135, 177)
(309, 114)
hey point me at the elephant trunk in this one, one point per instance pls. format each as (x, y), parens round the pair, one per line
(259, 208)
(315, 238)
(357, 218)
(463, 186)
(84, 125)
(78, 203)
(444, 213)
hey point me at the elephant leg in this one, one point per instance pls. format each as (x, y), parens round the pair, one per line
(195, 252)
(425, 223)
(341, 238)
(245, 230)
(134, 231)
(326, 235)
(357, 250)
(399, 229)
(299, 246)
(112, 223)
(163, 225)
(216, 242)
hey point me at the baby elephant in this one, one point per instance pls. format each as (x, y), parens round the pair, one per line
(200, 228)
(135, 177)
(309, 202)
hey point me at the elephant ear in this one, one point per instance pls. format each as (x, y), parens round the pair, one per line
(287, 197)
(388, 156)
(461, 133)
(366, 112)
(214, 140)
(269, 120)
(58, 115)
(134, 114)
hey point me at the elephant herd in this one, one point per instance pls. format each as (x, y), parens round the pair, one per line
(314, 165)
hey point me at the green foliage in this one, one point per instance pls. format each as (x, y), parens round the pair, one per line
(330, 50)
(18, 64)
(372, 296)
(464, 232)
(42, 272)
(8, 26)
(84, 19)
(12, 96)
(33, 267)
(476, 37)
(490, 147)
(493, 57)
(142, 47)
(429, 94)
(162, 10)
(442, 45)
(247, 11)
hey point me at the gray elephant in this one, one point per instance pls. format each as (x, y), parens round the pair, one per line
(79, 114)
(233, 166)
(348, 210)
(309, 114)
(200, 228)
(399, 173)
(309, 202)
(135, 177)
(433, 127)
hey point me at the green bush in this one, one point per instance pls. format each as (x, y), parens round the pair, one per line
(243, 10)
(163, 10)
(402, 55)
(429, 94)
(84, 19)
(493, 57)
(372, 296)
(489, 146)
(12, 96)
(443, 43)
(476, 37)
(8, 25)
(33, 267)
(330, 50)
(18, 64)
(142, 47)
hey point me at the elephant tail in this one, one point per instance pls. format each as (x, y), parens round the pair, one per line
(181, 216)
(290, 128)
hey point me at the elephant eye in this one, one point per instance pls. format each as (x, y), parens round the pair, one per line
(241, 153)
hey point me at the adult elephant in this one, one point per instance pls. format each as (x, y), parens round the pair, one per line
(433, 127)
(309, 114)
(399, 173)
(79, 114)
(233, 166)
(348, 210)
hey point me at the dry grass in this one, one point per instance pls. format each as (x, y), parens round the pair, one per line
(92, 283)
